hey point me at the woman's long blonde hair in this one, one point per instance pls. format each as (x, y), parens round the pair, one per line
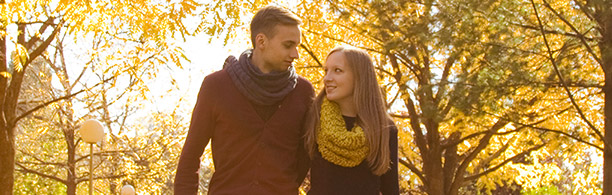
(371, 111)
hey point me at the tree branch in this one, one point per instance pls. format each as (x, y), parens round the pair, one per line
(555, 66)
(342, 41)
(550, 130)
(409, 64)
(103, 153)
(553, 31)
(565, 134)
(484, 141)
(40, 160)
(41, 30)
(43, 163)
(412, 168)
(445, 74)
(82, 179)
(46, 104)
(399, 116)
(473, 135)
(485, 162)
(23, 169)
(55, 100)
(309, 51)
(43, 46)
(580, 35)
(478, 175)
(416, 127)
(585, 10)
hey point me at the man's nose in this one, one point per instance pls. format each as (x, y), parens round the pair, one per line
(295, 54)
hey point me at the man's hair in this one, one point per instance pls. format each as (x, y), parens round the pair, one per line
(268, 17)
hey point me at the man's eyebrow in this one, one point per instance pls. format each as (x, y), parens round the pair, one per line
(290, 41)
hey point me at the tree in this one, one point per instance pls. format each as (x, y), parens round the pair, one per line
(142, 33)
(458, 88)
(472, 65)
(490, 96)
(575, 43)
(10, 86)
(457, 93)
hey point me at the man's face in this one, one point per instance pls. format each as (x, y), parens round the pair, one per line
(280, 50)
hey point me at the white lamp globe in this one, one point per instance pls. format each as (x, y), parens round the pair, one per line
(128, 190)
(91, 131)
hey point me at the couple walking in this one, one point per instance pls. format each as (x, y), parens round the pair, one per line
(267, 130)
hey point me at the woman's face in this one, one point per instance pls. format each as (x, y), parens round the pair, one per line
(339, 79)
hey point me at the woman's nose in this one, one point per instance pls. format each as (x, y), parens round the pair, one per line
(327, 78)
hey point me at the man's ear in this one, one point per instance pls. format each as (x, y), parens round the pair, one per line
(261, 41)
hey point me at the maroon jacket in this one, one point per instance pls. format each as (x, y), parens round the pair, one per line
(251, 156)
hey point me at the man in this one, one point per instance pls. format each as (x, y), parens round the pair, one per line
(252, 111)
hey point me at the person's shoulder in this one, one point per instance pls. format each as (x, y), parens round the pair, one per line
(219, 76)
(304, 83)
(215, 81)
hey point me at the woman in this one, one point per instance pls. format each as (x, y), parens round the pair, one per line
(350, 138)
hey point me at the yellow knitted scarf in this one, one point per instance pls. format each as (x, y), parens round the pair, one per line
(336, 144)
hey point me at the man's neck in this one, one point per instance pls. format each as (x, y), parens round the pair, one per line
(257, 60)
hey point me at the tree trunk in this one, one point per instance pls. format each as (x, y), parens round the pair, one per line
(10, 95)
(605, 21)
(71, 179)
(7, 159)
(607, 177)
(433, 170)
(434, 175)
(7, 141)
(451, 161)
(71, 187)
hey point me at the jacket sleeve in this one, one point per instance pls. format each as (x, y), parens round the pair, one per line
(390, 180)
(200, 132)
(303, 163)
(302, 155)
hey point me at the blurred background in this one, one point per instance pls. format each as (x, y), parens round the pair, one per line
(491, 97)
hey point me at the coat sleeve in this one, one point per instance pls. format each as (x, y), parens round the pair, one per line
(200, 132)
(303, 164)
(390, 180)
(302, 155)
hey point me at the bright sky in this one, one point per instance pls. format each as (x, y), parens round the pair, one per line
(205, 58)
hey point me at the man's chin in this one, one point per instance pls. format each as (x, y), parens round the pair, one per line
(284, 68)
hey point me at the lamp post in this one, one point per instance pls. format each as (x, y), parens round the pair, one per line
(91, 132)
(128, 190)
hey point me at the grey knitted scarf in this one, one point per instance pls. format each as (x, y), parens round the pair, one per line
(261, 88)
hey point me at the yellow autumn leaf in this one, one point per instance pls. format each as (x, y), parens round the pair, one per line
(5, 74)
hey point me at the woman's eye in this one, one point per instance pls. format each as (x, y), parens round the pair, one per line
(338, 70)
